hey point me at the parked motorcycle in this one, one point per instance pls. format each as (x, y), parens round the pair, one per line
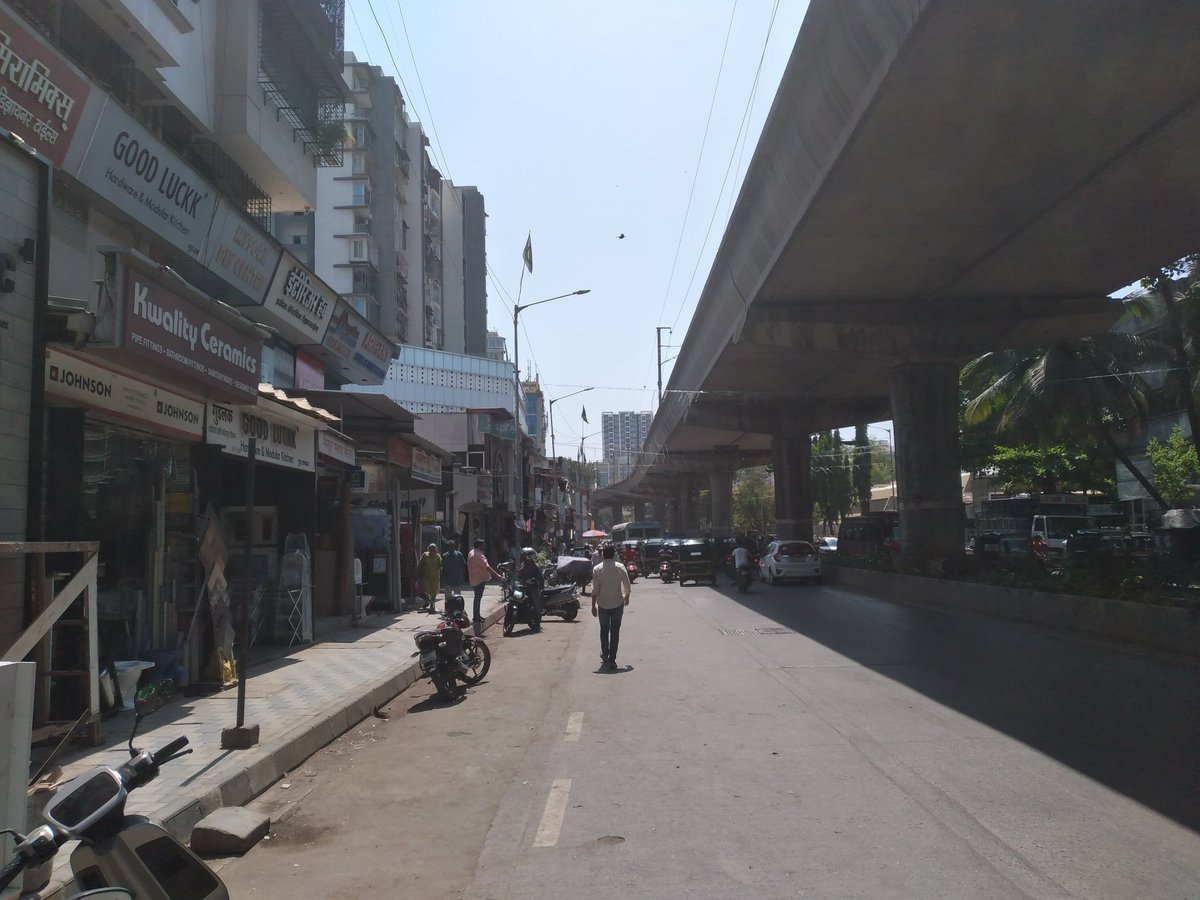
(440, 660)
(476, 657)
(519, 609)
(128, 855)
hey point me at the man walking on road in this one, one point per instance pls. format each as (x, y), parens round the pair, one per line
(610, 596)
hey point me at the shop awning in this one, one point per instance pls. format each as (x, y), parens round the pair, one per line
(362, 412)
(298, 404)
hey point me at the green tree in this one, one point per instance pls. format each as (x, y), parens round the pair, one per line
(862, 467)
(1050, 469)
(1176, 467)
(1092, 385)
(832, 488)
(753, 501)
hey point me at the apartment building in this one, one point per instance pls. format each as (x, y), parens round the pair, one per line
(623, 435)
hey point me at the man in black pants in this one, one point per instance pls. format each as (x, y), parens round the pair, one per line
(610, 596)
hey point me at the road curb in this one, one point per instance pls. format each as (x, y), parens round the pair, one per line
(292, 748)
(274, 759)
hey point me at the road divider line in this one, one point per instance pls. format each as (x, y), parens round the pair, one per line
(574, 727)
(552, 816)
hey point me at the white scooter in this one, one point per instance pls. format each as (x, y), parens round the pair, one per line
(118, 855)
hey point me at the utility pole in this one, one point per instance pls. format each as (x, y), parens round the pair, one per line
(658, 330)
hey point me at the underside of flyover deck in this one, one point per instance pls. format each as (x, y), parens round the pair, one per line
(936, 179)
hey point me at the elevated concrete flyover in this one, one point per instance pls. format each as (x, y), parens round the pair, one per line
(936, 178)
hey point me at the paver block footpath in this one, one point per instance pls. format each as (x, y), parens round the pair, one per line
(230, 831)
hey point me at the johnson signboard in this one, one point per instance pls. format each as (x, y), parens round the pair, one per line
(76, 379)
(40, 94)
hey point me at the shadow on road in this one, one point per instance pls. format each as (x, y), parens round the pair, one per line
(1126, 720)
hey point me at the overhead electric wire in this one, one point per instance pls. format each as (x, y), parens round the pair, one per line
(742, 129)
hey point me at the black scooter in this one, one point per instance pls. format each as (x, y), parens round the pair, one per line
(560, 600)
(129, 855)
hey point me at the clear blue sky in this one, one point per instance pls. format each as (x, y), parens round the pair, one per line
(580, 122)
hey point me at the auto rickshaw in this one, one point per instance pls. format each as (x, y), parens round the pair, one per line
(697, 562)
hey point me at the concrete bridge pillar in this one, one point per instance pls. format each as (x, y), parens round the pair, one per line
(925, 416)
(720, 488)
(792, 451)
(686, 504)
(617, 512)
(639, 511)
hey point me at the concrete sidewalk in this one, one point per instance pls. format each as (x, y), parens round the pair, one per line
(301, 701)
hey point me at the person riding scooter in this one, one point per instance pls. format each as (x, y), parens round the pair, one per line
(529, 573)
(742, 563)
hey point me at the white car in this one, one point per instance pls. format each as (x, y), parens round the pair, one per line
(786, 560)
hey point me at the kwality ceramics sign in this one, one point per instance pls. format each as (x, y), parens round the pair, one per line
(191, 340)
(41, 95)
(79, 380)
(134, 171)
(277, 439)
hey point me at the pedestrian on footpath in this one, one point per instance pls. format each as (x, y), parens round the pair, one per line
(454, 570)
(429, 573)
(479, 571)
(610, 596)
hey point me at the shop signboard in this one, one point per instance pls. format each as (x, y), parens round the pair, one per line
(419, 506)
(486, 423)
(426, 467)
(335, 447)
(399, 453)
(133, 170)
(363, 352)
(78, 379)
(41, 95)
(162, 327)
(277, 439)
(298, 303)
(309, 375)
(240, 253)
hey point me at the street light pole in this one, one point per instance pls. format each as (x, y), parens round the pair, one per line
(554, 455)
(519, 494)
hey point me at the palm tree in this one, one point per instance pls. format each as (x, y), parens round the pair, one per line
(1092, 383)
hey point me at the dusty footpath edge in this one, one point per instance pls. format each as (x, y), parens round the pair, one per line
(275, 758)
(283, 754)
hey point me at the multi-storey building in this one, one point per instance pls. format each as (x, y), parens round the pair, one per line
(171, 132)
(497, 347)
(624, 433)
(464, 267)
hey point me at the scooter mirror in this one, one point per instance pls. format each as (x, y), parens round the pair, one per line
(149, 699)
(153, 697)
(104, 894)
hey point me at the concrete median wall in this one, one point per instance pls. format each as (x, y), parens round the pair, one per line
(1163, 628)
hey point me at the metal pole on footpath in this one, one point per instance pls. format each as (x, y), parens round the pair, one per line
(243, 736)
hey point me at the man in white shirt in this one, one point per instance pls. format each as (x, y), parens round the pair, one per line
(610, 596)
(741, 558)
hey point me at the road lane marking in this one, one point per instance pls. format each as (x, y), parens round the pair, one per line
(574, 727)
(552, 817)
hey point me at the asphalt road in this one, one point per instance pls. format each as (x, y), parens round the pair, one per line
(793, 742)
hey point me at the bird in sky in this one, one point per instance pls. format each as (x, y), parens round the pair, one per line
(621, 236)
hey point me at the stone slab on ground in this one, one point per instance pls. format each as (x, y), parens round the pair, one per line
(229, 831)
